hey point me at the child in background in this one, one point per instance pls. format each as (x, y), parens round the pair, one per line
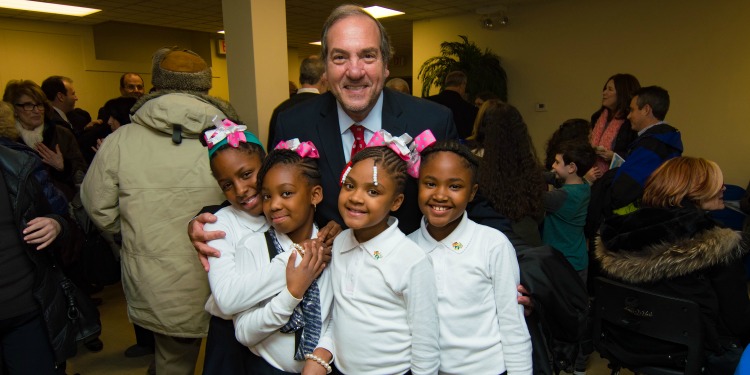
(566, 207)
(482, 327)
(283, 330)
(385, 303)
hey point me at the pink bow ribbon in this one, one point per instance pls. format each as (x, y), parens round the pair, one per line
(225, 129)
(303, 149)
(405, 147)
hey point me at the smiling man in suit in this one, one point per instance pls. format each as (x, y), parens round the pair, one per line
(356, 50)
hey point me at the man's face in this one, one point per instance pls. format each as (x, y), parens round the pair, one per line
(133, 86)
(638, 117)
(354, 66)
(68, 100)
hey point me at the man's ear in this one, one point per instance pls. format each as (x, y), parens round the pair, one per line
(59, 97)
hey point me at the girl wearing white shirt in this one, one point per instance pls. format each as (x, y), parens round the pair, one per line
(482, 327)
(235, 157)
(283, 330)
(383, 284)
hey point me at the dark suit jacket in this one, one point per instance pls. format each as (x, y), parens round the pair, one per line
(463, 112)
(316, 120)
(286, 104)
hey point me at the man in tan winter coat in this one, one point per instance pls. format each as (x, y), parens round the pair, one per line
(147, 180)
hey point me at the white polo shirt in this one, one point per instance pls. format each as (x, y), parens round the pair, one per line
(385, 305)
(258, 328)
(482, 327)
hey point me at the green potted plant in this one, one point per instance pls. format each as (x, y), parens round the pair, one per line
(482, 68)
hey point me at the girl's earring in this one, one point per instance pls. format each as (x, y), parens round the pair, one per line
(315, 207)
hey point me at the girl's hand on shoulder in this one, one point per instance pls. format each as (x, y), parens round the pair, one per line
(42, 231)
(329, 232)
(300, 277)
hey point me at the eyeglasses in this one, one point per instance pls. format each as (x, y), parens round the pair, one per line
(28, 107)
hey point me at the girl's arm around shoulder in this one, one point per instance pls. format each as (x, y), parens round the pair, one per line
(420, 295)
(514, 334)
(239, 284)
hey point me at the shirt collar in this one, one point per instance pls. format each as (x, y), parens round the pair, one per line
(286, 242)
(649, 127)
(308, 89)
(457, 241)
(379, 246)
(61, 113)
(250, 222)
(373, 122)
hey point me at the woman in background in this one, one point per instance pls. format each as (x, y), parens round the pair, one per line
(510, 176)
(671, 246)
(611, 131)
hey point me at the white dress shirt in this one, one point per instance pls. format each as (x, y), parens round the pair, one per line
(372, 123)
(233, 290)
(482, 327)
(385, 305)
(258, 327)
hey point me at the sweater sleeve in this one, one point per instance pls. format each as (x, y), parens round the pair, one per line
(235, 289)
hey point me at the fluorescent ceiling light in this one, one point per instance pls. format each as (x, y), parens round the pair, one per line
(36, 6)
(221, 32)
(380, 12)
(318, 43)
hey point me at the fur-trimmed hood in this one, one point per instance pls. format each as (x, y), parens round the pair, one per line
(653, 244)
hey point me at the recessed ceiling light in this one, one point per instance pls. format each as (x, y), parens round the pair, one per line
(37, 6)
(221, 32)
(318, 43)
(380, 12)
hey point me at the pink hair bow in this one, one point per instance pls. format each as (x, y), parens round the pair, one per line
(304, 149)
(405, 147)
(225, 129)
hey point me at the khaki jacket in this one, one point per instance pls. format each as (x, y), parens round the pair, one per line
(148, 187)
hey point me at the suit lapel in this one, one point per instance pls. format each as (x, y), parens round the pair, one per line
(392, 110)
(330, 138)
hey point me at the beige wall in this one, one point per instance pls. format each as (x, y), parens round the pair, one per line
(95, 57)
(561, 53)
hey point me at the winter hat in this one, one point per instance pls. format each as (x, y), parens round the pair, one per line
(180, 69)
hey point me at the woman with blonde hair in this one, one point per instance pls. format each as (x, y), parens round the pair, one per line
(671, 246)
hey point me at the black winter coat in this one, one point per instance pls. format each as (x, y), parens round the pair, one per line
(28, 202)
(683, 253)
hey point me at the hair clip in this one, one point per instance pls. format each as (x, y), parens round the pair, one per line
(225, 130)
(375, 174)
(303, 149)
(347, 169)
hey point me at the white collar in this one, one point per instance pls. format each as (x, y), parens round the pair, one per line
(308, 89)
(649, 127)
(379, 246)
(61, 113)
(373, 122)
(457, 241)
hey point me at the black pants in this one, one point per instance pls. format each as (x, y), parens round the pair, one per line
(259, 366)
(224, 355)
(143, 337)
(25, 346)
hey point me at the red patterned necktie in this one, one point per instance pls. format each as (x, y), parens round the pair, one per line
(359, 138)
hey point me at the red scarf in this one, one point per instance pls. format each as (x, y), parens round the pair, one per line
(604, 135)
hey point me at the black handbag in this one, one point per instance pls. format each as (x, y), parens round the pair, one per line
(69, 314)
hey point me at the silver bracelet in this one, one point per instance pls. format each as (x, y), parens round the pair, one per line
(319, 361)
